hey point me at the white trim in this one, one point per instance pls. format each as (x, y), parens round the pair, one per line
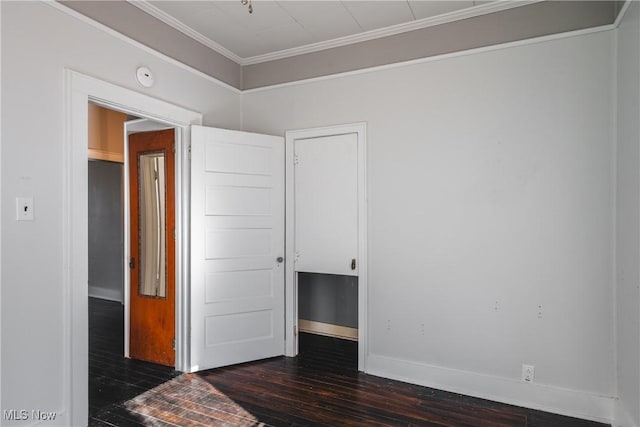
(80, 89)
(328, 44)
(291, 282)
(622, 13)
(442, 57)
(74, 276)
(143, 125)
(614, 216)
(182, 262)
(149, 8)
(64, 9)
(290, 276)
(622, 417)
(327, 329)
(126, 235)
(0, 187)
(542, 397)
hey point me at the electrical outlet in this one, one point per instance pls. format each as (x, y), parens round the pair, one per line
(528, 373)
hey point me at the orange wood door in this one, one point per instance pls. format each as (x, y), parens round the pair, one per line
(152, 264)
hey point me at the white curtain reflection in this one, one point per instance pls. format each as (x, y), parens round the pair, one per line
(151, 179)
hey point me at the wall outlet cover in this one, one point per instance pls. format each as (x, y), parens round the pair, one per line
(24, 209)
(528, 373)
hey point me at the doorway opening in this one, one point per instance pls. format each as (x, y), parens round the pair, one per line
(326, 220)
(113, 377)
(81, 90)
(328, 305)
(328, 317)
(131, 227)
(106, 237)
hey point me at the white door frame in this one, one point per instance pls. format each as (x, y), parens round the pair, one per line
(80, 89)
(291, 284)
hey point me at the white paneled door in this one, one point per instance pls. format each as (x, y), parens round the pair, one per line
(237, 245)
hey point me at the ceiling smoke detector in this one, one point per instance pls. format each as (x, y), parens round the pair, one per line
(144, 76)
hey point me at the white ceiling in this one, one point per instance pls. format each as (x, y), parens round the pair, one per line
(286, 27)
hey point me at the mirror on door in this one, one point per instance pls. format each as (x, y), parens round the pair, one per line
(151, 192)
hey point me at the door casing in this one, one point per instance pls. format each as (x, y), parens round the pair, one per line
(80, 90)
(291, 284)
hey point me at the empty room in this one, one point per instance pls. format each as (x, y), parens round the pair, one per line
(320, 213)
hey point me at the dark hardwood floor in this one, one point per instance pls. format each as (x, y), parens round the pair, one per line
(321, 387)
(112, 378)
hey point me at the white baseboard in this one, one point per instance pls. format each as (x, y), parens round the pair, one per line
(105, 293)
(535, 396)
(327, 329)
(623, 417)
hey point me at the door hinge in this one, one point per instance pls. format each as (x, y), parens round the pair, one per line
(174, 234)
(189, 152)
(296, 160)
(173, 147)
(173, 344)
(295, 331)
(132, 263)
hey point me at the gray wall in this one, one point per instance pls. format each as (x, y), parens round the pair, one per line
(490, 181)
(33, 64)
(106, 241)
(328, 298)
(503, 26)
(152, 32)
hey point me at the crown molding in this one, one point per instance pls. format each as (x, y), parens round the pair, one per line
(483, 9)
(418, 24)
(622, 13)
(435, 58)
(147, 7)
(60, 7)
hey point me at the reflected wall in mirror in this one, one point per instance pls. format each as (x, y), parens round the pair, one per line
(152, 238)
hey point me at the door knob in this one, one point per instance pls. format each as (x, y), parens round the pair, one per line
(279, 259)
(353, 264)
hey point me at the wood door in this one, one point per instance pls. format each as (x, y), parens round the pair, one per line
(152, 264)
(237, 247)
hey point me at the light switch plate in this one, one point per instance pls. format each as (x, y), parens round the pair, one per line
(24, 208)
